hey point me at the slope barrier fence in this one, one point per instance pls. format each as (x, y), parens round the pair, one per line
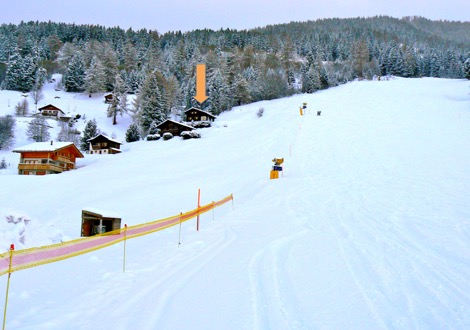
(22, 259)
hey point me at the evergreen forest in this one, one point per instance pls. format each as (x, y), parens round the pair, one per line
(243, 66)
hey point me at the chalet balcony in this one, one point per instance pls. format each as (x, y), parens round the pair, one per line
(40, 167)
(64, 160)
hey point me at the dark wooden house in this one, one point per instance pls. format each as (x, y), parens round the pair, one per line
(94, 223)
(102, 144)
(195, 114)
(173, 127)
(51, 111)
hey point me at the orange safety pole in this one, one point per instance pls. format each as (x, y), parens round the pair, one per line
(12, 248)
(125, 240)
(198, 206)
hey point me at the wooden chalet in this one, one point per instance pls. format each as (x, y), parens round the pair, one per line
(195, 114)
(102, 144)
(51, 111)
(43, 158)
(173, 127)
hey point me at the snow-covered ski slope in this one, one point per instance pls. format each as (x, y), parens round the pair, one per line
(368, 228)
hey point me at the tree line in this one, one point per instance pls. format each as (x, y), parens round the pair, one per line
(243, 66)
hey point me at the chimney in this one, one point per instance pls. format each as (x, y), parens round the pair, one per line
(52, 142)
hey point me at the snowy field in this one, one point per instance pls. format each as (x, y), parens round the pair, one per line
(368, 228)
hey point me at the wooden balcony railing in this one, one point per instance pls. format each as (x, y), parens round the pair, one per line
(40, 167)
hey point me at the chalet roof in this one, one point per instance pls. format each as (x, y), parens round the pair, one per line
(50, 106)
(48, 147)
(106, 137)
(201, 111)
(175, 122)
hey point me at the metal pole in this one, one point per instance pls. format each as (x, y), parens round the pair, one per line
(198, 206)
(125, 240)
(179, 236)
(12, 248)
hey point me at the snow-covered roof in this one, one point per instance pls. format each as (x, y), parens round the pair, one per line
(50, 106)
(106, 137)
(202, 111)
(178, 123)
(46, 146)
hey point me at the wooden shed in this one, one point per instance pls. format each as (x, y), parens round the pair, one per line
(108, 98)
(173, 127)
(94, 223)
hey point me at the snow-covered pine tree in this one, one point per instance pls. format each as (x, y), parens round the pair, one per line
(219, 92)
(132, 133)
(19, 74)
(151, 103)
(241, 90)
(74, 77)
(466, 68)
(91, 130)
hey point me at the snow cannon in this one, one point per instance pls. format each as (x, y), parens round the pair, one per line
(277, 167)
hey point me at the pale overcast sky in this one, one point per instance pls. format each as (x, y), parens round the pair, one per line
(184, 15)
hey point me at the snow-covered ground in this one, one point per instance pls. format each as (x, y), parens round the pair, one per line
(368, 228)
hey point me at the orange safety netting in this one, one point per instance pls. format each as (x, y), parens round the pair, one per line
(33, 257)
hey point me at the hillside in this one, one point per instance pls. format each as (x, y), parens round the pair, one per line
(368, 227)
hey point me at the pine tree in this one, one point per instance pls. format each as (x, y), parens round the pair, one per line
(466, 68)
(241, 90)
(132, 133)
(20, 74)
(151, 103)
(38, 130)
(218, 93)
(91, 130)
(74, 77)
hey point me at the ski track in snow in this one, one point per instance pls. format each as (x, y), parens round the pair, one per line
(365, 229)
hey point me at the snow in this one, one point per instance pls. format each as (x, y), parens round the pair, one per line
(43, 146)
(367, 227)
